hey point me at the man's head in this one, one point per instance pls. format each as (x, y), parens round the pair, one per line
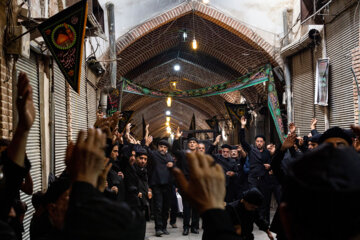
(56, 201)
(141, 158)
(260, 141)
(314, 141)
(252, 199)
(322, 195)
(114, 152)
(336, 136)
(234, 152)
(225, 150)
(193, 144)
(201, 147)
(163, 147)
(132, 158)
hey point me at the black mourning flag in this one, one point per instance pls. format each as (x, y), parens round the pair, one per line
(126, 116)
(64, 35)
(236, 111)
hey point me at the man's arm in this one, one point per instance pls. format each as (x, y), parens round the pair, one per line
(313, 127)
(213, 145)
(243, 142)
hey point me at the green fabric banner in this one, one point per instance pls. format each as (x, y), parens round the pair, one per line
(263, 74)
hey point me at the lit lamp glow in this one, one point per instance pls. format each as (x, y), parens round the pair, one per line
(167, 119)
(177, 67)
(194, 44)
(205, 1)
(168, 101)
(167, 124)
(168, 129)
(167, 113)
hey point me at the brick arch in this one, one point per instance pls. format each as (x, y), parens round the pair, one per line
(205, 12)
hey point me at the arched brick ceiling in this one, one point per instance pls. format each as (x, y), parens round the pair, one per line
(221, 56)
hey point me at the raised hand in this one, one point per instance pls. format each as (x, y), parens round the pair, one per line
(206, 186)
(148, 140)
(289, 142)
(217, 140)
(178, 134)
(313, 124)
(87, 161)
(127, 129)
(292, 128)
(243, 122)
(101, 184)
(24, 102)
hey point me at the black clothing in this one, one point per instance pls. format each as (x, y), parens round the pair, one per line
(161, 198)
(228, 164)
(190, 212)
(246, 219)
(42, 229)
(217, 225)
(174, 206)
(257, 159)
(92, 216)
(131, 186)
(114, 179)
(181, 161)
(159, 173)
(143, 185)
(13, 176)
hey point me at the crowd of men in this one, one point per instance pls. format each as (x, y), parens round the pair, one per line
(113, 184)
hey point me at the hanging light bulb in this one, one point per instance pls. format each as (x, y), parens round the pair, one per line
(205, 1)
(167, 124)
(168, 101)
(167, 113)
(177, 67)
(194, 44)
(167, 119)
(168, 129)
(184, 35)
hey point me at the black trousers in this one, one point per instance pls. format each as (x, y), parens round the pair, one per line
(267, 185)
(161, 198)
(174, 206)
(190, 212)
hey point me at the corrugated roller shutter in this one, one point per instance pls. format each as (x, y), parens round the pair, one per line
(60, 120)
(91, 98)
(33, 147)
(303, 90)
(342, 36)
(79, 107)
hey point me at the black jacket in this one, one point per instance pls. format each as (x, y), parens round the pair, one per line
(131, 186)
(143, 184)
(159, 173)
(181, 161)
(92, 216)
(240, 216)
(257, 159)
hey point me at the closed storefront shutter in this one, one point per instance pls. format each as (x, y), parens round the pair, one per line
(60, 120)
(79, 107)
(303, 90)
(303, 87)
(91, 94)
(342, 36)
(33, 146)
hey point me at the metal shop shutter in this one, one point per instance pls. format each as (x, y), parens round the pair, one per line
(91, 98)
(342, 37)
(303, 91)
(33, 147)
(60, 120)
(79, 106)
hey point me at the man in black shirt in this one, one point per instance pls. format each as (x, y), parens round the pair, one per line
(160, 183)
(189, 212)
(259, 158)
(244, 213)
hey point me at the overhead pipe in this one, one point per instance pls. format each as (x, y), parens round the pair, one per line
(287, 74)
(112, 45)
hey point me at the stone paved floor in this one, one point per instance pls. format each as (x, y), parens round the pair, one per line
(176, 233)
